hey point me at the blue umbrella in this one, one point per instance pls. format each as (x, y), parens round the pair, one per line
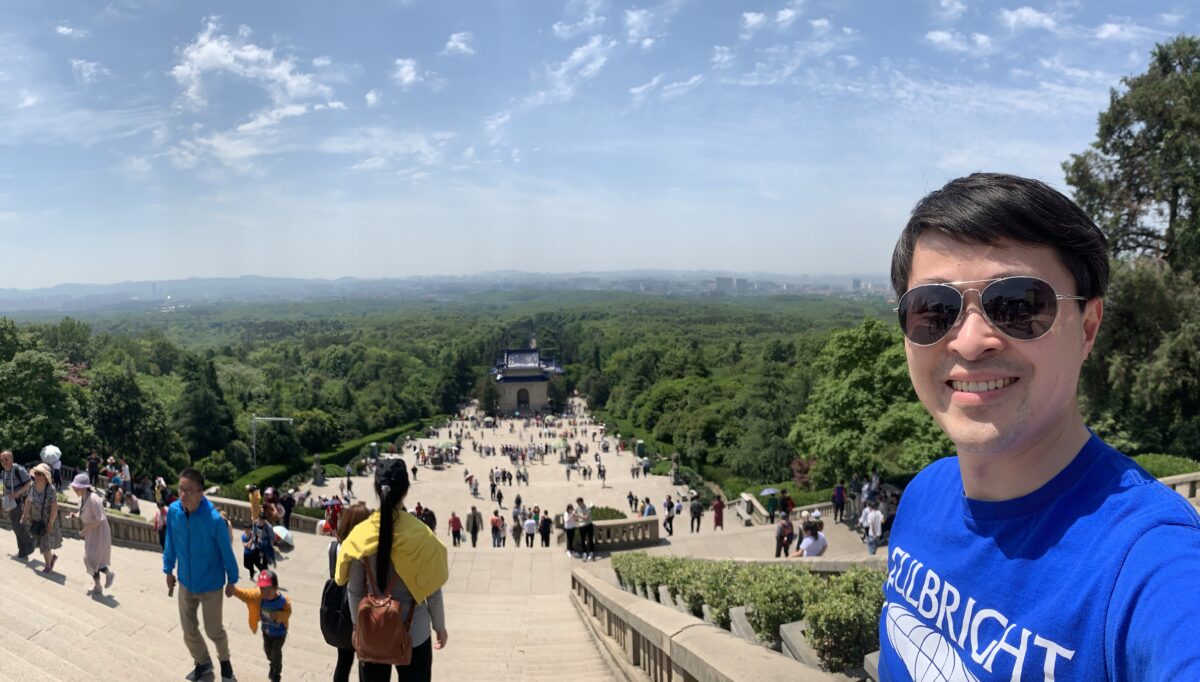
(769, 491)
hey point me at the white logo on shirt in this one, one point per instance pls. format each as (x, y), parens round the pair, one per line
(982, 633)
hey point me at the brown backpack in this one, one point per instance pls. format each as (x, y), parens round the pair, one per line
(381, 635)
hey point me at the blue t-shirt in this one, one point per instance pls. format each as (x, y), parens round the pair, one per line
(270, 627)
(1094, 576)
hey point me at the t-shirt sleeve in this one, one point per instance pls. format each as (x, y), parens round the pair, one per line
(1150, 630)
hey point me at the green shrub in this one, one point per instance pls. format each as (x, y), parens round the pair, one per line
(335, 471)
(773, 594)
(688, 579)
(843, 623)
(661, 468)
(607, 514)
(1161, 466)
(721, 584)
(311, 513)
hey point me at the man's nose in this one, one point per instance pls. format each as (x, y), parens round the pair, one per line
(975, 335)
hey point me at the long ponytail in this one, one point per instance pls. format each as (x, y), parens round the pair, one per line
(391, 485)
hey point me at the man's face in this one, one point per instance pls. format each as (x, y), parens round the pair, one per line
(1007, 420)
(189, 494)
(6, 461)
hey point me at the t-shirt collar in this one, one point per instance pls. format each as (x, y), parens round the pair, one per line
(1052, 490)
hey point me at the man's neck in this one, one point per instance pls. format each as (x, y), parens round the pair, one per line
(999, 477)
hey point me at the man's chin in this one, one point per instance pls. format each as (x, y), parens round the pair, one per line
(980, 439)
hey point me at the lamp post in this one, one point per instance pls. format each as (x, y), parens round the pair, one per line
(254, 420)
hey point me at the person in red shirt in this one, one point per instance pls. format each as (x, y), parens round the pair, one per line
(718, 507)
(455, 528)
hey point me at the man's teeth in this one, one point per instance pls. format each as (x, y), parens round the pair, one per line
(981, 386)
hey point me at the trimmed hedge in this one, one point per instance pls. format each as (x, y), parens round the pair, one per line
(842, 612)
(272, 475)
(1161, 466)
(607, 514)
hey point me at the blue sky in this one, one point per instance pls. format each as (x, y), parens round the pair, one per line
(157, 139)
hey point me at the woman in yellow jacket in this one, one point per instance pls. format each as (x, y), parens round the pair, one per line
(404, 548)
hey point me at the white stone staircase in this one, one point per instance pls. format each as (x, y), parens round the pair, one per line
(51, 630)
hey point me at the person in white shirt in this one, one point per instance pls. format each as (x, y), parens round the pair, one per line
(587, 534)
(814, 543)
(569, 526)
(530, 530)
(874, 527)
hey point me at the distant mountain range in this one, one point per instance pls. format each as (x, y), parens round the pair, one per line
(254, 288)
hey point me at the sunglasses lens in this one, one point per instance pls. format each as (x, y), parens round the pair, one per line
(928, 312)
(1022, 307)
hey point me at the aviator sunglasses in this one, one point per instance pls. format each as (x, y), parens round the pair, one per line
(1022, 308)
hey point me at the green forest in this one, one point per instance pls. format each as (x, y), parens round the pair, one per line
(748, 391)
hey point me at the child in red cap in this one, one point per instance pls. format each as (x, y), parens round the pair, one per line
(266, 604)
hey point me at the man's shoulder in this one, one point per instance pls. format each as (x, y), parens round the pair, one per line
(936, 473)
(1135, 496)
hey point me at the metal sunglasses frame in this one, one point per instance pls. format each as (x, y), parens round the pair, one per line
(962, 293)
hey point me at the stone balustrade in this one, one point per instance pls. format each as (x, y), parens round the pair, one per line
(238, 513)
(652, 641)
(1184, 484)
(126, 532)
(620, 534)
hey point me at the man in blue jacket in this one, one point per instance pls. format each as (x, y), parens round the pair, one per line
(198, 542)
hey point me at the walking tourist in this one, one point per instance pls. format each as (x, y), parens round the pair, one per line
(198, 542)
(497, 528)
(669, 516)
(813, 544)
(160, 523)
(93, 468)
(530, 530)
(784, 533)
(696, 507)
(718, 507)
(455, 525)
(354, 515)
(474, 524)
(97, 537)
(17, 483)
(839, 501)
(1001, 282)
(587, 532)
(544, 527)
(41, 515)
(394, 551)
(267, 605)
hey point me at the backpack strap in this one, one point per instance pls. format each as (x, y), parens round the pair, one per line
(390, 588)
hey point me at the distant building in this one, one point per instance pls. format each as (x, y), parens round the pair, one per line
(724, 285)
(741, 284)
(524, 379)
(855, 284)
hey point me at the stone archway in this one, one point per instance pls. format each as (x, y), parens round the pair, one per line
(523, 399)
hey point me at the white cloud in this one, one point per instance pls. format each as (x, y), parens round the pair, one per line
(637, 24)
(1057, 66)
(953, 41)
(1027, 17)
(67, 31)
(388, 143)
(135, 167)
(849, 60)
(1123, 32)
(590, 19)
(646, 27)
(1170, 19)
(492, 124)
(28, 99)
(951, 10)
(213, 53)
(584, 63)
(820, 25)
(320, 62)
(460, 43)
(680, 88)
(409, 73)
(751, 22)
(372, 98)
(777, 64)
(371, 164)
(723, 57)
(639, 92)
(785, 17)
(87, 72)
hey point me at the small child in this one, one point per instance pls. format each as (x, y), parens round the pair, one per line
(267, 605)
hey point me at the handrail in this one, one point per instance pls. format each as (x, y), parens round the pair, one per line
(668, 645)
(238, 512)
(1190, 481)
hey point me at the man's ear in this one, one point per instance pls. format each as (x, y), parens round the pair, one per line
(1093, 313)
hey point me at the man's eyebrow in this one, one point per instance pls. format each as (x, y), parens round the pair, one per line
(994, 276)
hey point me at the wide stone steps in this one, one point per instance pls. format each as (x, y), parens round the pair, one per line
(51, 630)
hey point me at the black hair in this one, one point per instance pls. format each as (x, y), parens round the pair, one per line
(193, 475)
(988, 208)
(391, 485)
